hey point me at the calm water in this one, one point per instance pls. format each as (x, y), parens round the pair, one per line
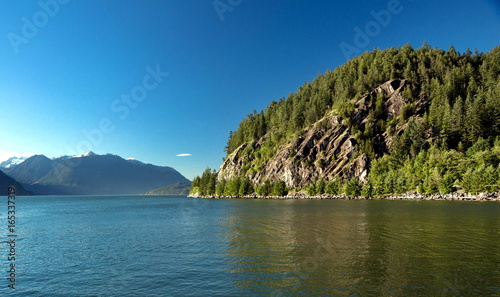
(176, 246)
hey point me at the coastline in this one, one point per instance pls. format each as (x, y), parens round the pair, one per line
(412, 196)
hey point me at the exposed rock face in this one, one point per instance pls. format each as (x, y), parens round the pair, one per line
(324, 150)
(395, 103)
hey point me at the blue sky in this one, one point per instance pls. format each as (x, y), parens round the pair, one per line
(191, 69)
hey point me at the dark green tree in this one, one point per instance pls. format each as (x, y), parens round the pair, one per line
(353, 187)
(279, 189)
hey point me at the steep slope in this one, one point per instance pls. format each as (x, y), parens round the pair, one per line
(32, 169)
(7, 181)
(181, 188)
(327, 149)
(385, 122)
(106, 174)
(11, 162)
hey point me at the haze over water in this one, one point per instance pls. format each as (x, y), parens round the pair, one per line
(172, 246)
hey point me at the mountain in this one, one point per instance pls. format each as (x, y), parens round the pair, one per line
(385, 122)
(32, 169)
(11, 162)
(7, 181)
(181, 188)
(86, 154)
(91, 174)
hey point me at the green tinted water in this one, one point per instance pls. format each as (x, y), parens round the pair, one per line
(177, 246)
(379, 248)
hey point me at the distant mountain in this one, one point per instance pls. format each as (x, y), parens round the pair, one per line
(7, 181)
(91, 174)
(86, 154)
(181, 188)
(32, 169)
(13, 161)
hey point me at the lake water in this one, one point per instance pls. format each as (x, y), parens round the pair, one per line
(177, 246)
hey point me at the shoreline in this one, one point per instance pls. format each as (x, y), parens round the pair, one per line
(412, 196)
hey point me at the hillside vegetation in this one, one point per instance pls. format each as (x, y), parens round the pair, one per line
(388, 121)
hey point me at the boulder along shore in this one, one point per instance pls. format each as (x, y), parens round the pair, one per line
(406, 196)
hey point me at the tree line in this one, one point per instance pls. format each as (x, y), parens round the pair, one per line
(462, 91)
(207, 185)
(450, 142)
(431, 171)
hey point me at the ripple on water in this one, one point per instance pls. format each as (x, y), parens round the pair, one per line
(164, 246)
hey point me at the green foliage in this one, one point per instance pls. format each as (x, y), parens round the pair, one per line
(195, 184)
(220, 189)
(446, 185)
(408, 111)
(204, 185)
(233, 187)
(481, 178)
(311, 189)
(265, 189)
(411, 142)
(367, 190)
(246, 187)
(444, 137)
(333, 187)
(480, 146)
(320, 186)
(443, 78)
(353, 187)
(279, 189)
(432, 182)
(439, 170)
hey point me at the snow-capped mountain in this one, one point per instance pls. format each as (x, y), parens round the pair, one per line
(91, 174)
(86, 154)
(13, 161)
(65, 157)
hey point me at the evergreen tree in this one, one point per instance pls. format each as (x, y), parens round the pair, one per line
(320, 186)
(353, 187)
(279, 189)
(367, 190)
(246, 187)
(220, 189)
(333, 187)
(265, 189)
(452, 102)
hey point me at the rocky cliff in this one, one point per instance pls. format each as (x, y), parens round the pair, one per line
(326, 149)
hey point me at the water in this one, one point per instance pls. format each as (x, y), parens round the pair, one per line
(177, 246)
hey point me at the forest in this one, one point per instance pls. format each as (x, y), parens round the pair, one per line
(451, 136)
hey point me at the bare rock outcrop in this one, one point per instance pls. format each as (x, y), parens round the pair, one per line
(324, 150)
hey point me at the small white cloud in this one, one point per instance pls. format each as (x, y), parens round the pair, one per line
(183, 155)
(131, 159)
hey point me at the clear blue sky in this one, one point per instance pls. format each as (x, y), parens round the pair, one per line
(65, 69)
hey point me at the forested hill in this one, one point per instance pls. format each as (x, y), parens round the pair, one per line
(387, 121)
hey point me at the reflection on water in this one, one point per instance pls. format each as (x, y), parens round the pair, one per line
(388, 248)
(176, 246)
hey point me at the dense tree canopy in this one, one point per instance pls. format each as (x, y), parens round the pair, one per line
(463, 91)
(452, 142)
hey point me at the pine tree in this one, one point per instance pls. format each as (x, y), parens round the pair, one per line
(353, 187)
(279, 189)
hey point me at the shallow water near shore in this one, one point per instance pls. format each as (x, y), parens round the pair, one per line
(178, 246)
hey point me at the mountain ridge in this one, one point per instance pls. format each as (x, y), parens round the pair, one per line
(89, 173)
(12, 161)
(7, 181)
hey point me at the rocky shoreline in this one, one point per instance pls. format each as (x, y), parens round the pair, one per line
(406, 196)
